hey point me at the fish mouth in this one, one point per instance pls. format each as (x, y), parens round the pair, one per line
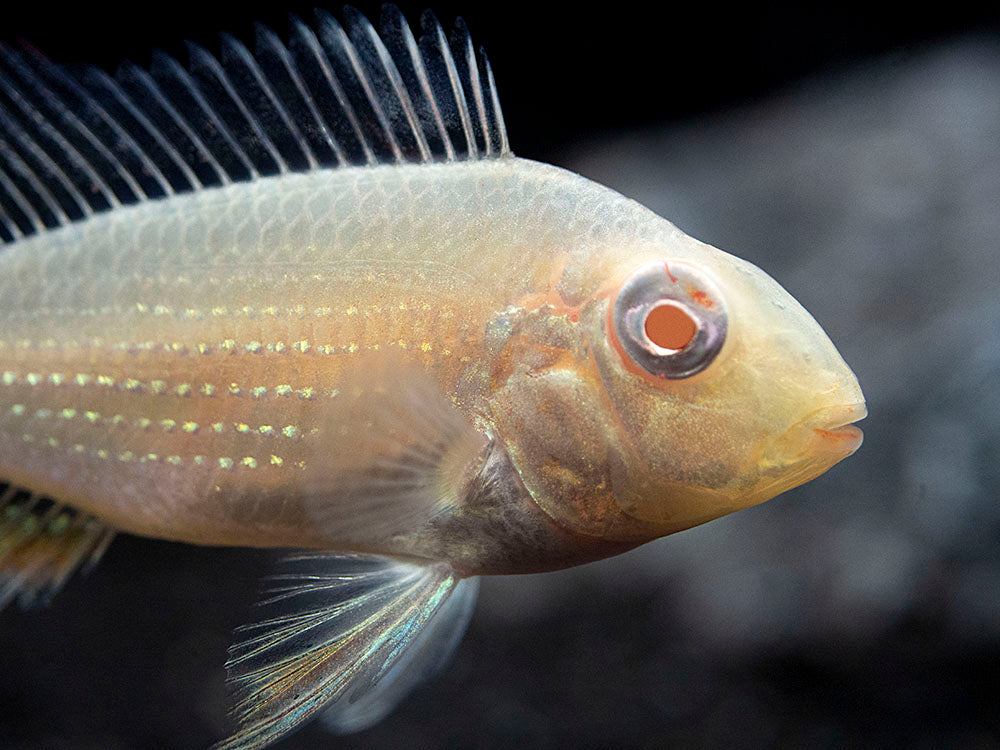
(808, 448)
(834, 428)
(820, 439)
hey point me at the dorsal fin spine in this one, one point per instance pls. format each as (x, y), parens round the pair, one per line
(338, 46)
(437, 36)
(51, 132)
(233, 54)
(464, 42)
(336, 94)
(94, 77)
(268, 42)
(315, 50)
(393, 19)
(22, 204)
(38, 154)
(361, 26)
(124, 139)
(148, 165)
(168, 67)
(497, 112)
(18, 166)
(130, 72)
(87, 104)
(201, 61)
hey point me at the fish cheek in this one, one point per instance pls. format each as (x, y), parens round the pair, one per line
(562, 440)
(684, 464)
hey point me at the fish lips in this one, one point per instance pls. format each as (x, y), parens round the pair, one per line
(835, 430)
(827, 435)
(820, 439)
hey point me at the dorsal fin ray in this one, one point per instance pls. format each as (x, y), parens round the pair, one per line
(122, 152)
(55, 192)
(173, 127)
(160, 152)
(60, 133)
(77, 142)
(190, 100)
(297, 100)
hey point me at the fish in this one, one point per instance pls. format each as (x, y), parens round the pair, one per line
(306, 298)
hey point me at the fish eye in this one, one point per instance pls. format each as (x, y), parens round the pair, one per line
(669, 319)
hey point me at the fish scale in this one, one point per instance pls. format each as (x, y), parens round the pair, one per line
(226, 347)
(436, 363)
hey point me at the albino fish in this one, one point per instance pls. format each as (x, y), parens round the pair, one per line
(307, 298)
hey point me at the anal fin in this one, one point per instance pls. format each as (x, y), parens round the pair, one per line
(335, 630)
(42, 543)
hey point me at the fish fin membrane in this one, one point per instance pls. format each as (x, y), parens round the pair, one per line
(393, 452)
(78, 141)
(431, 651)
(339, 631)
(42, 543)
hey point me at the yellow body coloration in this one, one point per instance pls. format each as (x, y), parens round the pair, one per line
(161, 359)
(430, 361)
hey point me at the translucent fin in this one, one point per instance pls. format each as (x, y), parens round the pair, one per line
(75, 142)
(42, 544)
(429, 653)
(394, 452)
(333, 629)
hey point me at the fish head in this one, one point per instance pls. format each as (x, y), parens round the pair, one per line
(695, 386)
(726, 390)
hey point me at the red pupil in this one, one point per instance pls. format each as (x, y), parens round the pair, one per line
(670, 327)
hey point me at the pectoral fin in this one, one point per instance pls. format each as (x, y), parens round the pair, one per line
(393, 452)
(334, 632)
(42, 543)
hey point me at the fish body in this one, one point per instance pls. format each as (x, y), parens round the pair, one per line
(422, 372)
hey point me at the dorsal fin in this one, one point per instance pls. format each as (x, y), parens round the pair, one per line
(73, 143)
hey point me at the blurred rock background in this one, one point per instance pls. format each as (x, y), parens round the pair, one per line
(853, 156)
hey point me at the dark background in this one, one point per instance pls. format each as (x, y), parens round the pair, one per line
(854, 154)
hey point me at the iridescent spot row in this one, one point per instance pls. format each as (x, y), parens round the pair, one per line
(222, 462)
(226, 346)
(158, 387)
(167, 425)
